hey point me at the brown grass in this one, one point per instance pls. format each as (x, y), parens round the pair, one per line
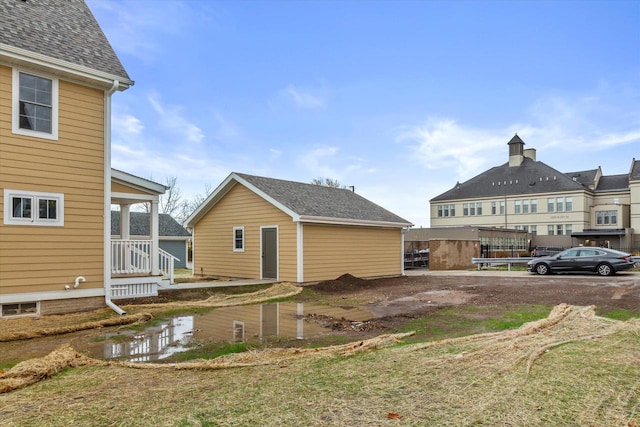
(571, 369)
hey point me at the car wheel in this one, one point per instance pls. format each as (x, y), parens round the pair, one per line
(542, 269)
(604, 270)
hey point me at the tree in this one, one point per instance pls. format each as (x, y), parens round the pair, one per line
(328, 182)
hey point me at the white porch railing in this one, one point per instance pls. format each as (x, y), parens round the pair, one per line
(131, 257)
(167, 262)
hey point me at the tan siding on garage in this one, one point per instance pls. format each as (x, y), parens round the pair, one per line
(213, 237)
(40, 258)
(331, 251)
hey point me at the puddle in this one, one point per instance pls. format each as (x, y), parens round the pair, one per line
(251, 324)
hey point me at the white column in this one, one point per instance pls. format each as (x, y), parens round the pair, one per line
(125, 222)
(155, 245)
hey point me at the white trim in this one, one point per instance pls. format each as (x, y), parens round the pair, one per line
(137, 182)
(35, 197)
(132, 196)
(52, 295)
(27, 56)
(233, 243)
(348, 221)
(15, 106)
(300, 252)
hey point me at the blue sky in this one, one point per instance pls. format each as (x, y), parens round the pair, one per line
(400, 99)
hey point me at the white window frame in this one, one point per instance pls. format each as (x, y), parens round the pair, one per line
(15, 102)
(21, 314)
(239, 228)
(34, 219)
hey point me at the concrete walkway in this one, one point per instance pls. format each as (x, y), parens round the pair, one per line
(218, 284)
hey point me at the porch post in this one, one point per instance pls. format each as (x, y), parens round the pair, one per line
(125, 222)
(154, 230)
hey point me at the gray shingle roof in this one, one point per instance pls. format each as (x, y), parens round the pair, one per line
(139, 225)
(312, 200)
(635, 170)
(530, 177)
(613, 182)
(585, 178)
(61, 29)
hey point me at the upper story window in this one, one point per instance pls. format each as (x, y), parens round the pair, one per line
(551, 203)
(31, 208)
(471, 209)
(606, 217)
(446, 210)
(238, 239)
(35, 105)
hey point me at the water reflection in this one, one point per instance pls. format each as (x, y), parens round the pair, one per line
(251, 323)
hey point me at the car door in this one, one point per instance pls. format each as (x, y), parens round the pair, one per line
(565, 261)
(587, 259)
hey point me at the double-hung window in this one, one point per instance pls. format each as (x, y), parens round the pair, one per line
(238, 239)
(32, 208)
(35, 105)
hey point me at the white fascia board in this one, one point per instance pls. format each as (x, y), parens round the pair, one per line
(137, 182)
(53, 295)
(134, 197)
(23, 56)
(348, 221)
(274, 202)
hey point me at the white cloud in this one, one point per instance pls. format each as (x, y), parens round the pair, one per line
(307, 98)
(126, 124)
(316, 162)
(443, 144)
(172, 120)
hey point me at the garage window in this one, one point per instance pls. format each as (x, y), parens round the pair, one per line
(238, 239)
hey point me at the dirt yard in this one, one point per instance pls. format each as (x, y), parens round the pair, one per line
(398, 300)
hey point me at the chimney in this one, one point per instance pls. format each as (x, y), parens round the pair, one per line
(530, 153)
(516, 151)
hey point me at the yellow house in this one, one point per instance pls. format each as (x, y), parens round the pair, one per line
(265, 228)
(57, 75)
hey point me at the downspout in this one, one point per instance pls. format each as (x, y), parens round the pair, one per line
(107, 199)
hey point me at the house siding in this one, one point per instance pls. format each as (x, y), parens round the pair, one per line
(177, 248)
(213, 237)
(42, 258)
(331, 251)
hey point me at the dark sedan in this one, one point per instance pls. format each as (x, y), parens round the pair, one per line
(603, 261)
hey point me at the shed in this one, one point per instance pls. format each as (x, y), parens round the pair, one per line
(173, 237)
(265, 228)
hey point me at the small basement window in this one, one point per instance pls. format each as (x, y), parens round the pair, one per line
(20, 309)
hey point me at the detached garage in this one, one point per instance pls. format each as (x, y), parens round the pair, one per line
(264, 228)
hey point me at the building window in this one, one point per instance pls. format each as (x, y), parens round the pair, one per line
(32, 208)
(465, 209)
(35, 105)
(534, 206)
(478, 208)
(568, 229)
(517, 206)
(238, 239)
(525, 206)
(533, 230)
(559, 201)
(493, 208)
(452, 210)
(21, 309)
(568, 204)
(550, 230)
(440, 211)
(550, 205)
(502, 208)
(559, 229)
(606, 217)
(472, 209)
